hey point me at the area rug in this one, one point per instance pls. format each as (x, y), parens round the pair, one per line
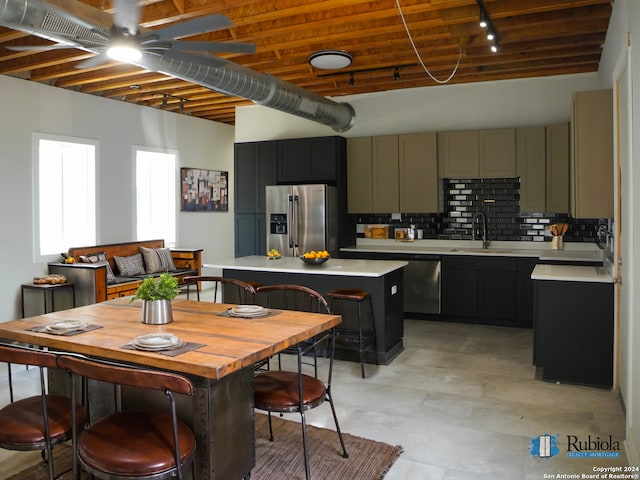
(282, 459)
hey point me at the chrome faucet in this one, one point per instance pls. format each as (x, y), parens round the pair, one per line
(483, 226)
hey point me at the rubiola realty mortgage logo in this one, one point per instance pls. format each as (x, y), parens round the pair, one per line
(591, 446)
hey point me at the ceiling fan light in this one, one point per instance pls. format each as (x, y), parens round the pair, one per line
(124, 52)
(330, 59)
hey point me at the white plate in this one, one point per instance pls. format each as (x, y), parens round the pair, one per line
(247, 310)
(156, 341)
(66, 326)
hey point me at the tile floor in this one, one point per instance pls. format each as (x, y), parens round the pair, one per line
(463, 402)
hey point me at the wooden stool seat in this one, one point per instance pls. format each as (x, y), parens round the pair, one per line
(131, 442)
(354, 294)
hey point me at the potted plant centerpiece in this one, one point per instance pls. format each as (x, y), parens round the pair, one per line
(156, 295)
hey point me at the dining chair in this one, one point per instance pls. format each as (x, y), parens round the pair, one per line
(132, 444)
(241, 294)
(282, 391)
(294, 297)
(37, 422)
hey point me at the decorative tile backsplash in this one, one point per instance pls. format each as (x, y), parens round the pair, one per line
(499, 200)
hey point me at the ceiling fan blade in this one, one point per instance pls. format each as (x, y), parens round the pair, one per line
(126, 15)
(99, 59)
(209, 23)
(38, 48)
(230, 47)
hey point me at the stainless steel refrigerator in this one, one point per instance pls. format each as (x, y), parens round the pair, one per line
(301, 218)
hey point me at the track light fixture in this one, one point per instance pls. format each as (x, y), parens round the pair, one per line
(485, 22)
(352, 73)
(483, 18)
(181, 100)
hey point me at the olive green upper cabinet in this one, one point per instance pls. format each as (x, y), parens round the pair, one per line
(386, 198)
(592, 154)
(458, 154)
(543, 168)
(557, 166)
(530, 167)
(487, 153)
(497, 153)
(359, 175)
(418, 163)
(393, 173)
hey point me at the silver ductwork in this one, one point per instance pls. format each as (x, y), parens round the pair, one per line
(77, 24)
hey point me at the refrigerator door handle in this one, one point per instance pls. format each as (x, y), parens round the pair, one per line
(292, 226)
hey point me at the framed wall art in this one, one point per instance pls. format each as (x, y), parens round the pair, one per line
(204, 190)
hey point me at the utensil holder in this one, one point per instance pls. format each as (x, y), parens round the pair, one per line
(557, 243)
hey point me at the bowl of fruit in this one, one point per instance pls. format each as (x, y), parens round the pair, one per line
(273, 254)
(315, 258)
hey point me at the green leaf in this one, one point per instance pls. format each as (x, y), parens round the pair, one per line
(165, 287)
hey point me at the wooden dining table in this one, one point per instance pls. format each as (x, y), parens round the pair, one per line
(218, 356)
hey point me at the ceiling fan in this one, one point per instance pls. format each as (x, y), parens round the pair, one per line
(73, 24)
(125, 40)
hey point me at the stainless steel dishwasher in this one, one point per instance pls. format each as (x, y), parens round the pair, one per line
(422, 284)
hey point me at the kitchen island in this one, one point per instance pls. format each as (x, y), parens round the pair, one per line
(381, 278)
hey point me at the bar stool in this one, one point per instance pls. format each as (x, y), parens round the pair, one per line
(358, 339)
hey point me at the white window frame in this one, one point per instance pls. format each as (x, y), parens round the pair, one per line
(171, 199)
(36, 139)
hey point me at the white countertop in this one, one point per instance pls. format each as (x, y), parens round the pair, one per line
(334, 266)
(573, 252)
(572, 273)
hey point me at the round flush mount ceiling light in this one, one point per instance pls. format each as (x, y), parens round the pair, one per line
(330, 59)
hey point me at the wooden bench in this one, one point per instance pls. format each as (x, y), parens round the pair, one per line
(90, 279)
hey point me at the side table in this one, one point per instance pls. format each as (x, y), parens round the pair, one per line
(45, 295)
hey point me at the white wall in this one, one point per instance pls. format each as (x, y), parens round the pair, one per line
(508, 103)
(622, 64)
(28, 107)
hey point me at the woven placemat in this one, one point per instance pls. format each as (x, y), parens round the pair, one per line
(43, 329)
(187, 347)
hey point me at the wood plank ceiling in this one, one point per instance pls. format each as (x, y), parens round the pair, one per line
(536, 38)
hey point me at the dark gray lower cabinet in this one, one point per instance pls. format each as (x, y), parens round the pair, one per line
(573, 332)
(251, 236)
(479, 289)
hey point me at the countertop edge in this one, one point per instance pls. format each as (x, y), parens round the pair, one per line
(572, 273)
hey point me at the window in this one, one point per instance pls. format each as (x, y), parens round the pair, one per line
(66, 188)
(156, 195)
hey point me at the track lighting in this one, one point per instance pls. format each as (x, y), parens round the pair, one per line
(396, 74)
(167, 96)
(485, 22)
(483, 18)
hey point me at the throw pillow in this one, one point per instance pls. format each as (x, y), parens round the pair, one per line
(100, 258)
(130, 266)
(157, 259)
